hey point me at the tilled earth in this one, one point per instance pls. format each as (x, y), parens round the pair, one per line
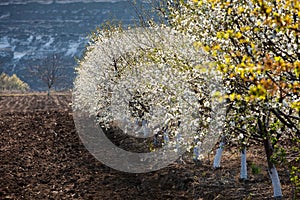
(42, 157)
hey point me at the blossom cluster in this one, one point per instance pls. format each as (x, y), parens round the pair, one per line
(148, 80)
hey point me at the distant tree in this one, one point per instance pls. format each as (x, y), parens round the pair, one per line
(10, 83)
(50, 72)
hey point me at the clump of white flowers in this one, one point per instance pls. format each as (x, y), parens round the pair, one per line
(146, 80)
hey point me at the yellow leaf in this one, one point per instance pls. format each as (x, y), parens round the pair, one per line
(219, 35)
(240, 9)
(215, 53)
(295, 105)
(230, 31)
(277, 58)
(206, 48)
(227, 60)
(239, 35)
(268, 10)
(287, 19)
(297, 71)
(226, 36)
(232, 96)
(216, 47)
(197, 45)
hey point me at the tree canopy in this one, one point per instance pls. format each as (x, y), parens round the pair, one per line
(252, 46)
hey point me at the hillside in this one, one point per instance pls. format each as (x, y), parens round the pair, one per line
(31, 31)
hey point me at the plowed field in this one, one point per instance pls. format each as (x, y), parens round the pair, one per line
(42, 157)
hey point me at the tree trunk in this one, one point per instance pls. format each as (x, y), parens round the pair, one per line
(145, 129)
(49, 91)
(196, 153)
(275, 183)
(166, 137)
(243, 174)
(218, 155)
(272, 170)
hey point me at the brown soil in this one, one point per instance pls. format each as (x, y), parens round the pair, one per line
(42, 157)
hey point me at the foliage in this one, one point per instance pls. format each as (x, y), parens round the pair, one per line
(142, 74)
(12, 83)
(295, 172)
(257, 51)
(294, 164)
(148, 75)
(255, 169)
(261, 79)
(255, 45)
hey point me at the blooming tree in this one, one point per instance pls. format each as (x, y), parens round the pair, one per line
(163, 78)
(255, 44)
(153, 77)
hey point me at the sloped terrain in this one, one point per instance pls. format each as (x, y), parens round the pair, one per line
(42, 157)
(32, 30)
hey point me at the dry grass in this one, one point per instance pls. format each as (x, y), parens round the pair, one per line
(18, 93)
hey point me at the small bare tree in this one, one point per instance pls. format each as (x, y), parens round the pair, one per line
(50, 72)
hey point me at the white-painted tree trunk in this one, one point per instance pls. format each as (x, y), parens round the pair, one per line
(178, 142)
(166, 137)
(146, 131)
(196, 153)
(243, 174)
(275, 182)
(218, 156)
